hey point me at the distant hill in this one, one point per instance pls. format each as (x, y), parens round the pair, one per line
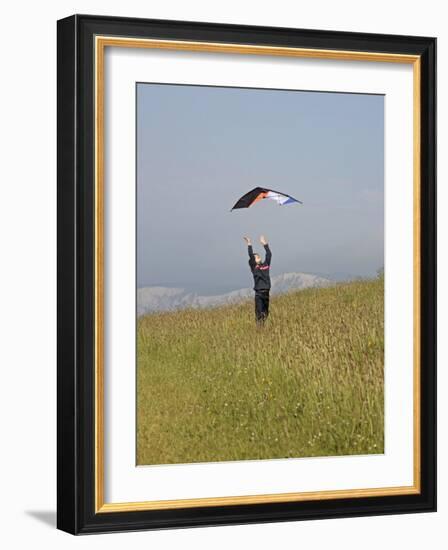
(156, 298)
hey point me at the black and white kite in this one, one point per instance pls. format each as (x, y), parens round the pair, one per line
(260, 193)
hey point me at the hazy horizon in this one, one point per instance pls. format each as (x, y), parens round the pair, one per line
(200, 148)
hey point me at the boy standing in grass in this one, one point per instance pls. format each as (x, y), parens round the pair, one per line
(262, 280)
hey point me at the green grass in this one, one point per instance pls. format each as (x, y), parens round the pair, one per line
(211, 386)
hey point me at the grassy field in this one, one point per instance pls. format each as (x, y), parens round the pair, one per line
(211, 386)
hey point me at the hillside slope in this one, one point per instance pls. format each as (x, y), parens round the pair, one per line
(212, 386)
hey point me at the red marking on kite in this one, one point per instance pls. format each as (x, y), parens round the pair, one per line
(259, 197)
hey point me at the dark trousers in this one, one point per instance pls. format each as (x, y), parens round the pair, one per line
(261, 305)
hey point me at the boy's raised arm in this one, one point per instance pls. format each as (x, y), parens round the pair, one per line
(264, 242)
(250, 251)
(268, 254)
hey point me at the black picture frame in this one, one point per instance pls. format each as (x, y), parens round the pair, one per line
(76, 287)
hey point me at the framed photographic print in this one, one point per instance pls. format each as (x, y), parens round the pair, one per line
(246, 274)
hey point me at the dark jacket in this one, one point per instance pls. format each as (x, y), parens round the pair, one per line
(262, 279)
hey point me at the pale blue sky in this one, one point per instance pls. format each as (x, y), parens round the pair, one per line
(200, 148)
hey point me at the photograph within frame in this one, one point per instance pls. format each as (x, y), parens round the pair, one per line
(327, 146)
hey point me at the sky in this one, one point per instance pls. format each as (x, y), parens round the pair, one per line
(200, 148)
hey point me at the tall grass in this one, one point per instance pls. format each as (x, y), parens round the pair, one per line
(211, 386)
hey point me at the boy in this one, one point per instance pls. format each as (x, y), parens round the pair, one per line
(262, 280)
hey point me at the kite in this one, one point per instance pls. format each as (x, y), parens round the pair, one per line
(261, 193)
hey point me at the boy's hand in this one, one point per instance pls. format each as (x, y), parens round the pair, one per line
(248, 241)
(263, 240)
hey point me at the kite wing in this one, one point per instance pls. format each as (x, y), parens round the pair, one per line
(261, 193)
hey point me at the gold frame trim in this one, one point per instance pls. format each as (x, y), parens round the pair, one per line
(101, 42)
